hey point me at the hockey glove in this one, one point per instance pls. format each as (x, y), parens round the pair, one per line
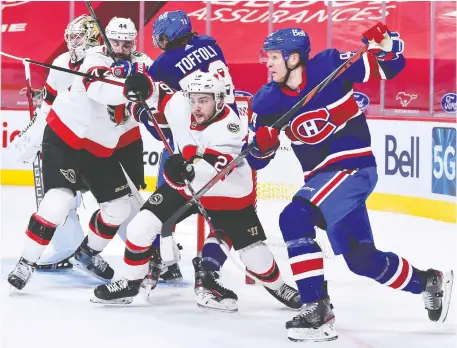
(383, 44)
(176, 170)
(265, 143)
(118, 114)
(138, 85)
(124, 68)
(28, 142)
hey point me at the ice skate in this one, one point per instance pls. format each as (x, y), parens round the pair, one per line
(210, 293)
(314, 323)
(437, 294)
(21, 274)
(171, 274)
(287, 295)
(91, 262)
(149, 282)
(120, 292)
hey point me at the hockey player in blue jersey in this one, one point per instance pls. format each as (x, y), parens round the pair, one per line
(185, 54)
(330, 138)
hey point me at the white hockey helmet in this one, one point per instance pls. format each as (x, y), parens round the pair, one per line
(121, 29)
(81, 34)
(209, 83)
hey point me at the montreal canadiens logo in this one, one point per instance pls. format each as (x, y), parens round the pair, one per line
(312, 127)
(448, 103)
(362, 100)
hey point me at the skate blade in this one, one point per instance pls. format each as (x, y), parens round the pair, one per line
(448, 282)
(171, 281)
(323, 334)
(118, 301)
(81, 267)
(206, 301)
(218, 309)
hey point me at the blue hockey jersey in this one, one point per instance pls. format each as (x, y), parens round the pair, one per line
(177, 67)
(330, 132)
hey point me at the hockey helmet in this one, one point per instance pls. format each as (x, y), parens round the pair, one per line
(288, 41)
(81, 34)
(170, 26)
(209, 83)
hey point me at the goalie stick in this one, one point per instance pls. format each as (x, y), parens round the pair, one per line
(166, 242)
(279, 124)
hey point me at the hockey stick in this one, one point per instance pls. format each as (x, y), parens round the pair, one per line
(279, 124)
(195, 199)
(37, 174)
(50, 66)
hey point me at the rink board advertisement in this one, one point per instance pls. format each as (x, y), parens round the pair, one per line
(416, 165)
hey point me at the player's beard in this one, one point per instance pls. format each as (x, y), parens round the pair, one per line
(122, 56)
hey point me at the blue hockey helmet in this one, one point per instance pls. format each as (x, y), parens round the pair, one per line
(288, 41)
(171, 25)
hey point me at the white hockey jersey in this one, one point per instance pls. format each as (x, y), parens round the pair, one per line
(218, 143)
(80, 116)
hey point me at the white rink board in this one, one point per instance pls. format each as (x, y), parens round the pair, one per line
(286, 170)
(416, 180)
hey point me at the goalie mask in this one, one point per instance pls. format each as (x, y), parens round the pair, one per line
(206, 94)
(80, 35)
(121, 33)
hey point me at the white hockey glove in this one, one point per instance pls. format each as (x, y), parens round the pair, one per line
(28, 142)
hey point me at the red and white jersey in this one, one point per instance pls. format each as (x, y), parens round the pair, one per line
(80, 117)
(217, 143)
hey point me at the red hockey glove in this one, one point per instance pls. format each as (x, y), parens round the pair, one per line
(266, 142)
(383, 44)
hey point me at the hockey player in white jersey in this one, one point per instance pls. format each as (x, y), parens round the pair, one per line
(86, 127)
(80, 35)
(208, 134)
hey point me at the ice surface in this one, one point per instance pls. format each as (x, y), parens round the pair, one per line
(54, 309)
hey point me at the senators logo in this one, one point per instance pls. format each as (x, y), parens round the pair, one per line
(311, 127)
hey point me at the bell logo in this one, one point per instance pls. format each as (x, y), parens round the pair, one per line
(296, 32)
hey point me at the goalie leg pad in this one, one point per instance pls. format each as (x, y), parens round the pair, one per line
(66, 240)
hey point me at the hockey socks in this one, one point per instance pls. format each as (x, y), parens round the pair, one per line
(100, 233)
(385, 267)
(39, 233)
(213, 255)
